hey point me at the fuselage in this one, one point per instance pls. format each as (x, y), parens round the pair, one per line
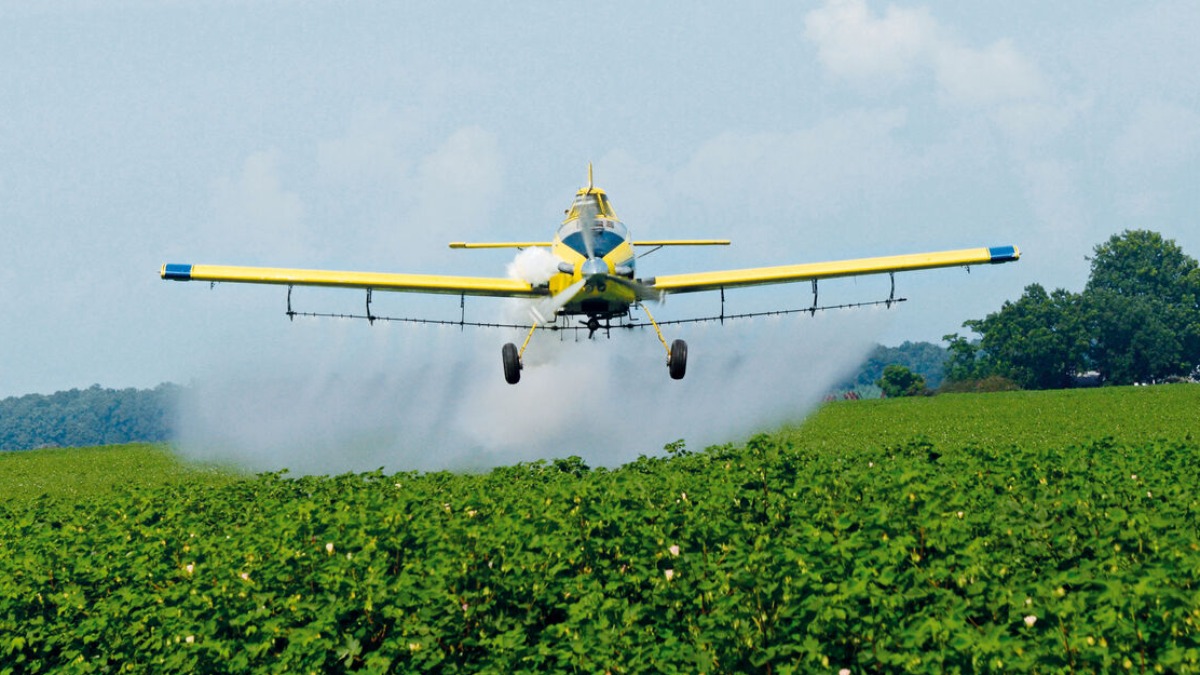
(595, 248)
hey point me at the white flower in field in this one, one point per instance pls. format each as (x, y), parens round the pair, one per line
(844, 671)
(670, 574)
(1148, 494)
(1030, 620)
(189, 568)
(1028, 601)
(329, 548)
(870, 465)
(245, 576)
(960, 515)
(674, 549)
(1133, 476)
(190, 639)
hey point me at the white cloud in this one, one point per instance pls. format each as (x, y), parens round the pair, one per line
(995, 74)
(255, 215)
(859, 45)
(1150, 155)
(376, 147)
(809, 172)
(458, 185)
(854, 43)
(1159, 137)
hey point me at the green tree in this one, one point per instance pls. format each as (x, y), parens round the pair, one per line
(1040, 341)
(966, 360)
(1141, 302)
(900, 381)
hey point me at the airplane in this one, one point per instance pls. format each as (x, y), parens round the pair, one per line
(596, 278)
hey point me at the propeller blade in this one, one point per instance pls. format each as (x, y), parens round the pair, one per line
(546, 311)
(587, 224)
(642, 291)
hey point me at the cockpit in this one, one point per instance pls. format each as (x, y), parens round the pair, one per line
(591, 216)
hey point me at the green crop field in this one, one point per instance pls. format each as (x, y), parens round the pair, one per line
(1013, 532)
(84, 473)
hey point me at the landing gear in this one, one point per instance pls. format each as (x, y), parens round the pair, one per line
(512, 363)
(677, 359)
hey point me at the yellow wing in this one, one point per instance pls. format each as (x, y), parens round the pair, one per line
(707, 281)
(416, 283)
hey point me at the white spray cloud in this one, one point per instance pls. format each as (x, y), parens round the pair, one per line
(434, 398)
(534, 265)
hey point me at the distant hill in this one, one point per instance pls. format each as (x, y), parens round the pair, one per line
(92, 416)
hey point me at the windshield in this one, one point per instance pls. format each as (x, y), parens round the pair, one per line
(593, 212)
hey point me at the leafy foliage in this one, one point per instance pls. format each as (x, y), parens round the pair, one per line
(1144, 301)
(802, 551)
(900, 381)
(91, 416)
(1040, 341)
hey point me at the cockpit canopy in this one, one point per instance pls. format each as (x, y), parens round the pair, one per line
(591, 201)
(591, 209)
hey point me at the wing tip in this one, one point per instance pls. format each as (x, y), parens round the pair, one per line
(176, 272)
(1003, 254)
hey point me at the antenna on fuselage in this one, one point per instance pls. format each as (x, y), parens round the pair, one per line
(589, 176)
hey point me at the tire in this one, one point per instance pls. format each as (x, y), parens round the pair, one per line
(512, 363)
(677, 361)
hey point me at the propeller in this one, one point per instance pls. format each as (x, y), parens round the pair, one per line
(546, 310)
(642, 291)
(587, 221)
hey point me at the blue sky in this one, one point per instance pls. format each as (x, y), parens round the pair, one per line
(362, 135)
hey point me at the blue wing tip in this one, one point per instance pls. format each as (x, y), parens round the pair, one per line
(177, 272)
(1003, 254)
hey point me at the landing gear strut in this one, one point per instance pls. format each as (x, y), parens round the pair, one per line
(512, 363)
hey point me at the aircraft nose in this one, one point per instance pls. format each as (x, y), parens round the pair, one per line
(593, 267)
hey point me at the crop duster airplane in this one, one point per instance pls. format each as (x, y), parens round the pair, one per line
(596, 277)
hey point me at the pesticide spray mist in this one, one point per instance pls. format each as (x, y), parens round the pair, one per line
(435, 398)
(342, 396)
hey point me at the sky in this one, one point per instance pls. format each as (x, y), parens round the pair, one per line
(367, 135)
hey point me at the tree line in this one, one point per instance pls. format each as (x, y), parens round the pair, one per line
(84, 417)
(1137, 320)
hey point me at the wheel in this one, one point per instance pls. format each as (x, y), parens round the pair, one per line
(677, 361)
(512, 363)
